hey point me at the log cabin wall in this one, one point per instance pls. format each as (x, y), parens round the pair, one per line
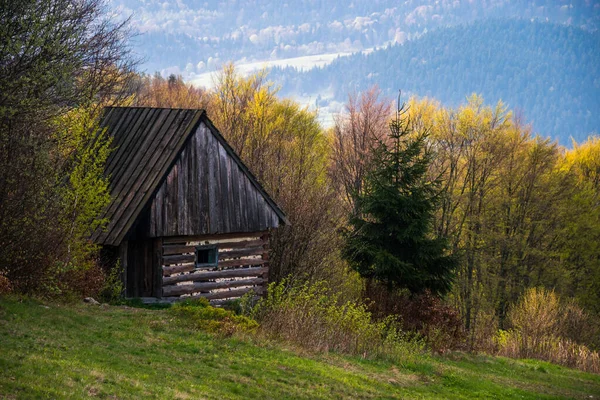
(242, 267)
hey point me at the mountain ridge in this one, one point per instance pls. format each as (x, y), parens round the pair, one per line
(548, 71)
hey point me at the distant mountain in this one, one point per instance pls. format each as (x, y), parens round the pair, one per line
(196, 36)
(550, 72)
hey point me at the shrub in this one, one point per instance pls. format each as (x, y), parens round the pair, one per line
(541, 326)
(112, 289)
(200, 314)
(311, 316)
(483, 332)
(424, 314)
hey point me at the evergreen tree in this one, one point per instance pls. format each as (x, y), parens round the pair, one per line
(391, 238)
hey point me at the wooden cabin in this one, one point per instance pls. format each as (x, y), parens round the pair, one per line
(187, 218)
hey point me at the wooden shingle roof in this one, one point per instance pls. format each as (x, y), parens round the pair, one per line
(147, 142)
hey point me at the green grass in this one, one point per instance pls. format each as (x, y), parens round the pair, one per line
(74, 351)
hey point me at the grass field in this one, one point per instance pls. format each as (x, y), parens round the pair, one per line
(77, 351)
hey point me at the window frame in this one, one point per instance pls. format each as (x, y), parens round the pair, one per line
(207, 247)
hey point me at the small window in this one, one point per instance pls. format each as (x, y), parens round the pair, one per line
(207, 256)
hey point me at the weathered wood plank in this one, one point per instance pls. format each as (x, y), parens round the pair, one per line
(251, 203)
(225, 199)
(178, 290)
(192, 188)
(200, 238)
(188, 267)
(171, 249)
(179, 259)
(206, 275)
(176, 269)
(214, 186)
(237, 203)
(250, 251)
(157, 267)
(171, 199)
(240, 262)
(242, 244)
(178, 249)
(201, 173)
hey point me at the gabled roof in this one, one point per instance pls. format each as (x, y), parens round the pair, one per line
(147, 142)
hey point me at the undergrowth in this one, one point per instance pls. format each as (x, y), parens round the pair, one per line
(201, 315)
(313, 317)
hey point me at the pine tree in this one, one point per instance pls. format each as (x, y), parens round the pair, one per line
(391, 237)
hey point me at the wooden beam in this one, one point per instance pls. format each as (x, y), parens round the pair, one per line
(178, 290)
(199, 238)
(179, 259)
(251, 251)
(177, 249)
(175, 269)
(240, 262)
(157, 267)
(228, 273)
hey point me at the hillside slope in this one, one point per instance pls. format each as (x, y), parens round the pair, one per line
(58, 351)
(549, 72)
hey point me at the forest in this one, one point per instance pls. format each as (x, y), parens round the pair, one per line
(546, 71)
(201, 35)
(455, 227)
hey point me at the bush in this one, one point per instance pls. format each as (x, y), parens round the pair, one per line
(311, 316)
(424, 314)
(112, 289)
(200, 314)
(541, 326)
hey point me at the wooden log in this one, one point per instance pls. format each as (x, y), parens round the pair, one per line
(184, 248)
(178, 249)
(240, 262)
(228, 273)
(157, 267)
(225, 294)
(251, 251)
(178, 290)
(188, 267)
(179, 259)
(217, 236)
(241, 245)
(176, 269)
